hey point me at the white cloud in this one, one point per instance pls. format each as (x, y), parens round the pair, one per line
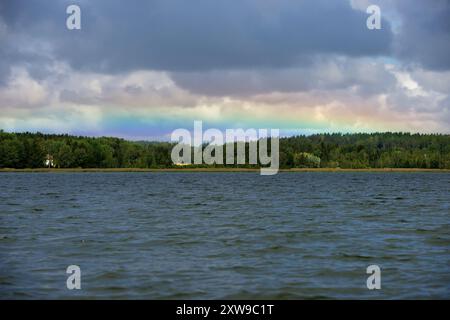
(22, 90)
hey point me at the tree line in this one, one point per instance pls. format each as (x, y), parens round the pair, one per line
(359, 150)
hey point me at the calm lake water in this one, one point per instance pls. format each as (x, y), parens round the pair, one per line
(224, 235)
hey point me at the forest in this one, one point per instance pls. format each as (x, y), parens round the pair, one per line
(358, 151)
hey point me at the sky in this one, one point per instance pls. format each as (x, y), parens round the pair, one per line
(140, 69)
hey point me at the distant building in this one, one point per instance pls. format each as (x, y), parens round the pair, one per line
(181, 163)
(49, 161)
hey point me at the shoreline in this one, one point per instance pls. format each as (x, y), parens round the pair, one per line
(106, 170)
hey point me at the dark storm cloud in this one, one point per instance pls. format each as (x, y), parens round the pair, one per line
(424, 37)
(195, 35)
(323, 74)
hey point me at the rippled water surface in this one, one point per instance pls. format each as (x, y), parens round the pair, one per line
(224, 235)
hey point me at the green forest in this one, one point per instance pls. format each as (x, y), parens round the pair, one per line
(358, 151)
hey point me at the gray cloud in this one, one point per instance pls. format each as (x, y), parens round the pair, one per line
(331, 73)
(424, 36)
(176, 35)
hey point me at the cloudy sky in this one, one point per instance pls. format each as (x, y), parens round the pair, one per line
(140, 69)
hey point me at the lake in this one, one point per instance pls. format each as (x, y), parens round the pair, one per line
(225, 235)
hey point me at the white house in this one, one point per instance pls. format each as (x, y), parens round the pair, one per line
(49, 161)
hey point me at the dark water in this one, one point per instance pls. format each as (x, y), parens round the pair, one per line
(225, 235)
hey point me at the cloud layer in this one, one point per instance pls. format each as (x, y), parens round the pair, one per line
(141, 69)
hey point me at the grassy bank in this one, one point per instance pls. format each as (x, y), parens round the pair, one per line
(74, 170)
